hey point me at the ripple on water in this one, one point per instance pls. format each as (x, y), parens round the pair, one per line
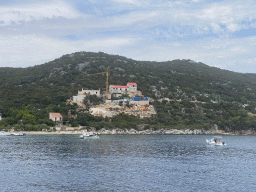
(126, 163)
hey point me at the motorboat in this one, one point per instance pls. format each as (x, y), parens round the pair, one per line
(3, 133)
(215, 141)
(88, 135)
(18, 134)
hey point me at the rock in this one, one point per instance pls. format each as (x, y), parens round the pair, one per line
(132, 131)
(142, 126)
(113, 131)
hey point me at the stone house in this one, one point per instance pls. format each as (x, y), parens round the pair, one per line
(56, 117)
(118, 90)
(81, 94)
(132, 87)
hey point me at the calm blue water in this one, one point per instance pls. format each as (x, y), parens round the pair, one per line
(127, 163)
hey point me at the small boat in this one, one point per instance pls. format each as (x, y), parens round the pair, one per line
(215, 141)
(3, 133)
(18, 134)
(88, 135)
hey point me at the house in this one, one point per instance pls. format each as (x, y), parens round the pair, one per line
(0, 116)
(118, 90)
(56, 117)
(132, 87)
(81, 94)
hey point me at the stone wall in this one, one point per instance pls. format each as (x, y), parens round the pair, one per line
(91, 92)
(139, 102)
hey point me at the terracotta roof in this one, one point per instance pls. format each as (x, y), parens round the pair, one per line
(121, 86)
(132, 83)
(56, 114)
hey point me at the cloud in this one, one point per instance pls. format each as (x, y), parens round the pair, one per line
(38, 11)
(177, 44)
(31, 50)
(187, 19)
(232, 15)
(238, 49)
(250, 61)
(233, 27)
(128, 1)
(110, 42)
(216, 28)
(34, 33)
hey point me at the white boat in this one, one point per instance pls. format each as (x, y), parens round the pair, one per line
(3, 133)
(215, 141)
(88, 135)
(18, 134)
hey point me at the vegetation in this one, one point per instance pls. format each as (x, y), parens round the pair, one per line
(196, 95)
(91, 100)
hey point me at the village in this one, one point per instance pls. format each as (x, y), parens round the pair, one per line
(134, 104)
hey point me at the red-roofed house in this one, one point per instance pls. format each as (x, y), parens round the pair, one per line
(121, 87)
(132, 87)
(118, 90)
(56, 117)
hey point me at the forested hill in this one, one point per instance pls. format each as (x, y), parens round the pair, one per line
(41, 89)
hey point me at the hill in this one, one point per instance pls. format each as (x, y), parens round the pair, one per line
(200, 95)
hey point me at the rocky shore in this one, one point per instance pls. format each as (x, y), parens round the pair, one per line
(161, 131)
(145, 132)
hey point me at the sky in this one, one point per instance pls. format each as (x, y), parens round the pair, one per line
(215, 32)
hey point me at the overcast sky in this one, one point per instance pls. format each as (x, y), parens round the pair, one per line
(215, 32)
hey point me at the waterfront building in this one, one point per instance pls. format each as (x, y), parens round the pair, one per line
(56, 117)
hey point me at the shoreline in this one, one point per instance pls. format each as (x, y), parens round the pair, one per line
(145, 132)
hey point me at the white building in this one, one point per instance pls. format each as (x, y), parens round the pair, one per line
(81, 94)
(132, 87)
(0, 116)
(56, 117)
(118, 90)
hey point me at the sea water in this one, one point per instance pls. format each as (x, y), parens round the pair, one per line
(127, 163)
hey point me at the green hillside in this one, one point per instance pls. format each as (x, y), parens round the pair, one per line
(224, 98)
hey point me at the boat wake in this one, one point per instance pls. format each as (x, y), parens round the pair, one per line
(215, 141)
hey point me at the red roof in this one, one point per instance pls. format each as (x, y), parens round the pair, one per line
(121, 86)
(132, 83)
(56, 114)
